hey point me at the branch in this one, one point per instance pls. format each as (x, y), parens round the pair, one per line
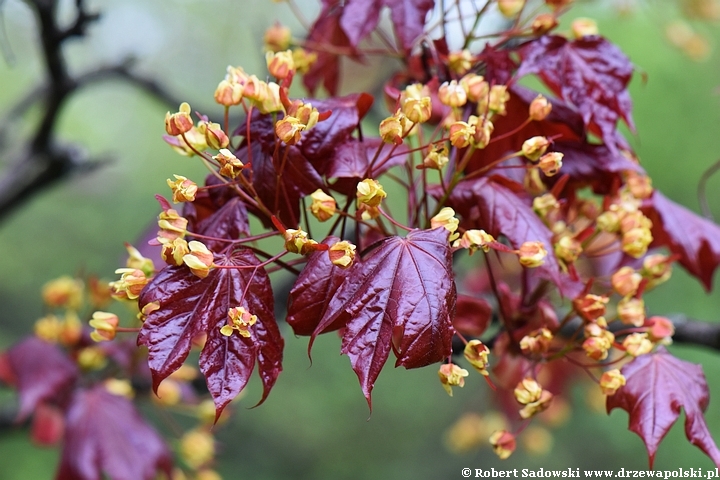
(44, 161)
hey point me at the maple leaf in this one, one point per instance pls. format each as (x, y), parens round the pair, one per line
(217, 212)
(105, 434)
(657, 386)
(282, 176)
(41, 372)
(694, 239)
(319, 142)
(472, 316)
(401, 296)
(190, 307)
(317, 282)
(501, 207)
(327, 31)
(351, 160)
(590, 73)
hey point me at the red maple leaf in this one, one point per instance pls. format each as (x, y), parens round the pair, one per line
(327, 32)
(590, 73)
(695, 239)
(105, 434)
(657, 386)
(317, 282)
(41, 372)
(190, 307)
(400, 296)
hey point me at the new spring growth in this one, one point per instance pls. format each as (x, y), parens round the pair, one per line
(510, 8)
(550, 163)
(452, 375)
(370, 193)
(173, 252)
(536, 342)
(598, 340)
(240, 321)
(637, 344)
(297, 241)
(460, 62)
(535, 147)
(131, 283)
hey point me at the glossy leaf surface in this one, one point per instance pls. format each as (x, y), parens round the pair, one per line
(658, 386)
(106, 436)
(401, 296)
(191, 307)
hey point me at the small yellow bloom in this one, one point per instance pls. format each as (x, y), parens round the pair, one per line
(323, 205)
(452, 376)
(611, 381)
(532, 254)
(105, 325)
(183, 190)
(370, 193)
(477, 353)
(239, 320)
(342, 254)
(199, 260)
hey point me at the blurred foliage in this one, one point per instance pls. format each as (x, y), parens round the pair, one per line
(315, 424)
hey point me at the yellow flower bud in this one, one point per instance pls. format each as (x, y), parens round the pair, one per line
(131, 283)
(323, 205)
(63, 292)
(303, 60)
(476, 87)
(582, 27)
(228, 94)
(452, 94)
(199, 260)
(532, 254)
(297, 241)
(173, 252)
(477, 354)
(626, 281)
(510, 8)
(460, 62)
(631, 311)
(527, 391)
(280, 64)
(503, 443)
(342, 254)
(635, 242)
(446, 218)
(370, 193)
(537, 342)
(461, 133)
(239, 320)
(568, 249)
(452, 376)
(183, 190)
(417, 110)
(499, 96)
(550, 163)
(535, 147)
(179, 122)
(474, 239)
(230, 165)
(197, 448)
(277, 38)
(637, 344)
(539, 108)
(611, 381)
(288, 130)
(105, 325)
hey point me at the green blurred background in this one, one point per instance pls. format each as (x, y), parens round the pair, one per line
(315, 424)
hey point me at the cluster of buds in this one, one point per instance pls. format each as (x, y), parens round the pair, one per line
(590, 307)
(240, 321)
(299, 117)
(238, 85)
(631, 311)
(452, 375)
(637, 344)
(625, 218)
(172, 225)
(65, 330)
(530, 394)
(475, 132)
(63, 292)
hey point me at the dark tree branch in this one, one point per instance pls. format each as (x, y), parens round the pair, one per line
(44, 161)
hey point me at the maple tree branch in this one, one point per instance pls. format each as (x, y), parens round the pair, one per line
(44, 161)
